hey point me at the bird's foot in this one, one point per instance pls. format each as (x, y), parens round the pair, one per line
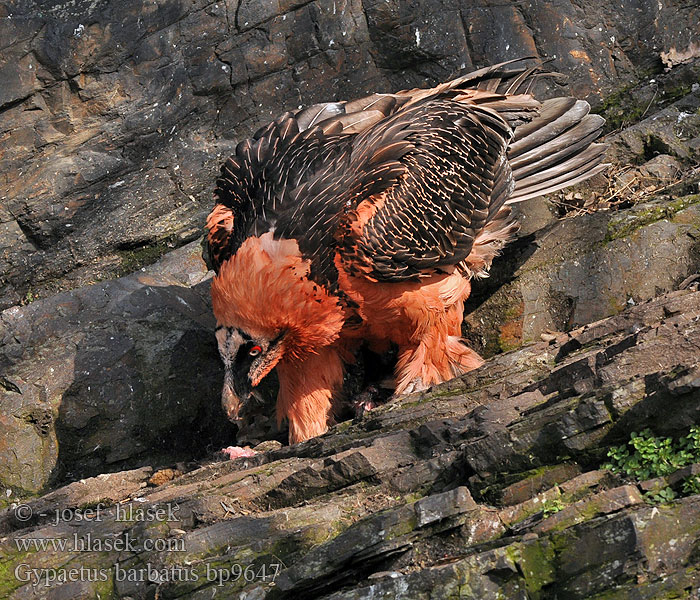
(415, 385)
(234, 452)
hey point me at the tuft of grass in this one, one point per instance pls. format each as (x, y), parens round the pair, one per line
(29, 297)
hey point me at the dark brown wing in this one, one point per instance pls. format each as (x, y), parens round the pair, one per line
(400, 183)
(453, 178)
(217, 243)
(261, 183)
(254, 191)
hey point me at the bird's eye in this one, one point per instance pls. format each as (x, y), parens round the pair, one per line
(255, 350)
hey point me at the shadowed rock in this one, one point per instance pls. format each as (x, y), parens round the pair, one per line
(105, 375)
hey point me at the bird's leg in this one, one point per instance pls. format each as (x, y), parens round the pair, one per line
(438, 354)
(429, 363)
(306, 390)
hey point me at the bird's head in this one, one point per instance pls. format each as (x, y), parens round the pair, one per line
(268, 310)
(247, 360)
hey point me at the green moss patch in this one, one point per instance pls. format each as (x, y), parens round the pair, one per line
(622, 228)
(133, 259)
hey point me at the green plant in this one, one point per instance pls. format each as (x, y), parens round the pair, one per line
(646, 456)
(665, 494)
(552, 506)
(691, 485)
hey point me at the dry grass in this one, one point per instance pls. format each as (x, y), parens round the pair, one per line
(617, 188)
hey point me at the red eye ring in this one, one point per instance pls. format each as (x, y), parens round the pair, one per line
(255, 350)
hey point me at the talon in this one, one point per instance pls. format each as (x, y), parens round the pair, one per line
(416, 385)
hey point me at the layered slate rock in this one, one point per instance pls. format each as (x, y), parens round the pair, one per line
(116, 116)
(441, 493)
(577, 270)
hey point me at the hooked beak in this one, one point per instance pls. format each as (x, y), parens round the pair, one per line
(234, 395)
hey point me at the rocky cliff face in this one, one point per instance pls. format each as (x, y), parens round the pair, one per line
(114, 118)
(485, 486)
(116, 115)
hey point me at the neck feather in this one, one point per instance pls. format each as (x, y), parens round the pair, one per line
(264, 289)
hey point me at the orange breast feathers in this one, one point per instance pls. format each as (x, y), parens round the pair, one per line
(423, 318)
(264, 290)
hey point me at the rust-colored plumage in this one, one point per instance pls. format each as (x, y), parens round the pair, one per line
(365, 221)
